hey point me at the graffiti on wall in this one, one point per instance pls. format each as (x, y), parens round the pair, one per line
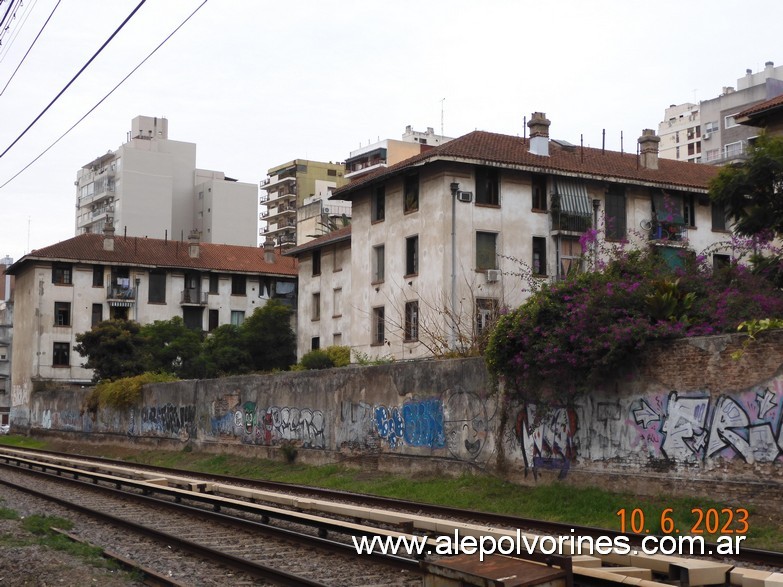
(273, 425)
(548, 438)
(459, 422)
(169, 420)
(689, 427)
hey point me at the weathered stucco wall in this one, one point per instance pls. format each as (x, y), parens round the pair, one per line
(685, 418)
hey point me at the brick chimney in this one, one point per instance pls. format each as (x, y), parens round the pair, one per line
(194, 250)
(648, 149)
(108, 236)
(539, 134)
(269, 250)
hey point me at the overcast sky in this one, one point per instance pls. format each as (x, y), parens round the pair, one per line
(255, 83)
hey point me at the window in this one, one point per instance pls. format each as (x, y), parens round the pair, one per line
(615, 214)
(3, 384)
(378, 326)
(486, 250)
(316, 310)
(237, 317)
(97, 314)
(213, 283)
(378, 254)
(315, 343)
(157, 289)
(61, 354)
(62, 274)
(486, 314)
(733, 149)
(301, 168)
(337, 259)
(411, 321)
(97, 276)
(332, 172)
(62, 313)
(539, 255)
(729, 122)
(337, 303)
(689, 210)
(411, 194)
(337, 339)
(213, 320)
(539, 191)
(718, 216)
(487, 186)
(711, 127)
(316, 263)
(720, 261)
(412, 255)
(238, 285)
(379, 204)
(570, 256)
(3, 353)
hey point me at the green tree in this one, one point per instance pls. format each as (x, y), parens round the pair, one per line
(752, 191)
(171, 347)
(224, 353)
(114, 349)
(269, 338)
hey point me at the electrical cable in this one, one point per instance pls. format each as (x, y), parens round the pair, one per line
(74, 78)
(29, 48)
(102, 100)
(3, 23)
(6, 49)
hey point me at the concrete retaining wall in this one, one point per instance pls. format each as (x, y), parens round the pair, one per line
(688, 419)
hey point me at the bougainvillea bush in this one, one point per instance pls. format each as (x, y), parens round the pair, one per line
(573, 334)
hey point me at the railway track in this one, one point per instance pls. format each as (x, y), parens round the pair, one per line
(341, 515)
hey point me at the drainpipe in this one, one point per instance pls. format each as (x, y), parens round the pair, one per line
(452, 334)
(596, 204)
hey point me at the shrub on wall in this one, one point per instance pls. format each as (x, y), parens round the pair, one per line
(317, 359)
(122, 393)
(571, 335)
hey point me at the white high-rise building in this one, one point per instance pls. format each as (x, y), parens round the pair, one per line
(150, 187)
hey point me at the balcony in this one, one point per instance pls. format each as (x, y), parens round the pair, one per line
(561, 222)
(120, 296)
(668, 232)
(281, 211)
(191, 296)
(272, 182)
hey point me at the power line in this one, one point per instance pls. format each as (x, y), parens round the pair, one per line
(74, 78)
(11, 10)
(102, 100)
(29, 48)
(5, 49)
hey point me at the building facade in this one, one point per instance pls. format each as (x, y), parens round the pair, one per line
(443, 241)
(150, 187)
(294, 195)
(6, 337)
(709, 132)
(325, 313)
(69, 287)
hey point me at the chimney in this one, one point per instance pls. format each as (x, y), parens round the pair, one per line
(269, 250)
(193, 244)
(648, 149)
(769, 69)
(539, 134)
(108, 236)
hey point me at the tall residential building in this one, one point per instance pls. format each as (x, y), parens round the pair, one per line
(680, 133)
(390, 151)
(150, 187)
(709, 132)
(294, 200)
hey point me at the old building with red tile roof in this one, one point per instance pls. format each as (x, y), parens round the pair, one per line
(442, 241)
(68, 287)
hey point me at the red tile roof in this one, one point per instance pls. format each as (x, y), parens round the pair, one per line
(760, 108)
(342, 234)
(150, 252)
(480, 147)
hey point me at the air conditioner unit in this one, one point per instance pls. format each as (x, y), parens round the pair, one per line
(493, 275)
(326, 210)
(706, 136)
(465, 196)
